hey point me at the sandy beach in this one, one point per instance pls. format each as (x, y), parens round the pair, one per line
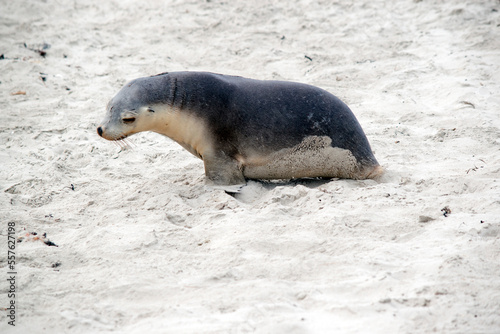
(131, 240)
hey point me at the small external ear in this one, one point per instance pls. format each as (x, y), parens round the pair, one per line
(150, 110)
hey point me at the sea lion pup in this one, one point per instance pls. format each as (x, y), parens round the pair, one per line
(244, 128)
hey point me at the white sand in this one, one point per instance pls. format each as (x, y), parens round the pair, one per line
(145, 247)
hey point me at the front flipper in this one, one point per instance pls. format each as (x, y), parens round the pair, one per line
(231, 190)
(222, 170)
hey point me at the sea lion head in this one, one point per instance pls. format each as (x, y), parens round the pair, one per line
(132, 110)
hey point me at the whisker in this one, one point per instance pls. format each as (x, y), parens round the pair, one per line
(120, 144)
(129, 143)
(123, 143)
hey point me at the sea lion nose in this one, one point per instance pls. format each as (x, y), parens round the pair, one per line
(99, 131)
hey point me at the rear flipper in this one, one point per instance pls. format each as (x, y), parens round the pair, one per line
(371, 172)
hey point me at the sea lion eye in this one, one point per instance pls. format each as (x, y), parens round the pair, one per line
(128, 120)
(150, 110)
